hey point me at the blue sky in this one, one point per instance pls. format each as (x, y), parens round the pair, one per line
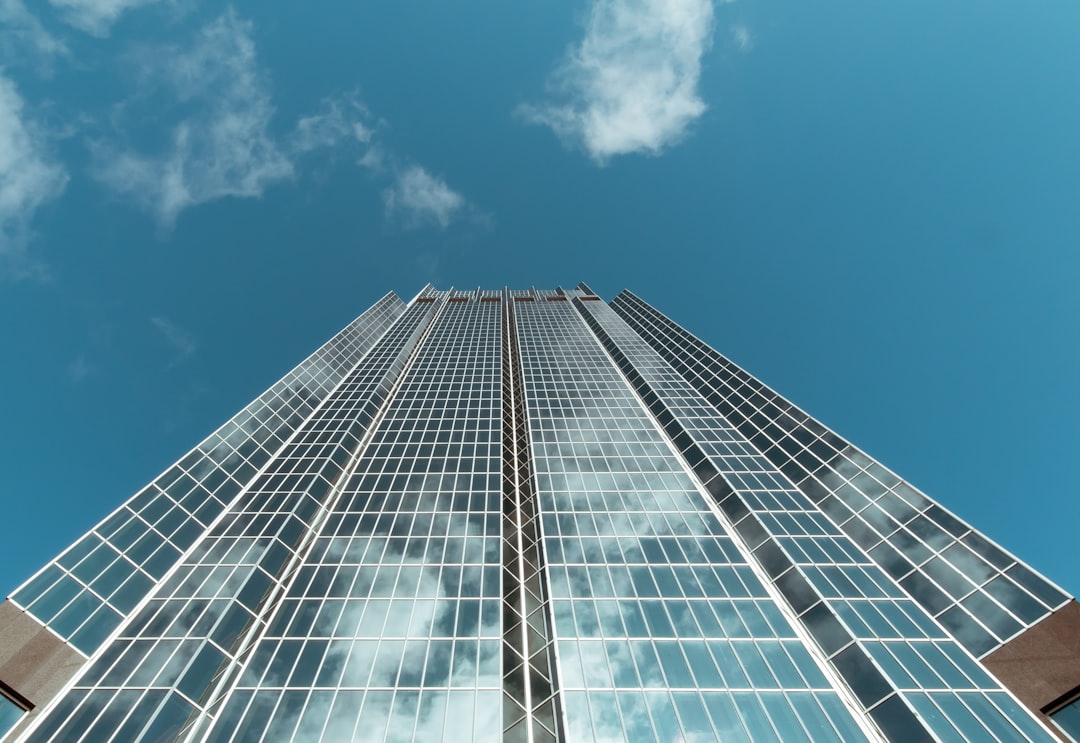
(870, 205)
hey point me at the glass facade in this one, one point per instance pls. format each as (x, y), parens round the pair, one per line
(10, 714)
(663, 630)
(86, 592)
(530, 515)
(979, 592)
(1068, 719)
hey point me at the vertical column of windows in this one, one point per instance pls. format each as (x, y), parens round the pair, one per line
(900, 664)
(163, 673)
(982, 594)
(530, 688)
(663, 632)
(391, 629)
(84, 594)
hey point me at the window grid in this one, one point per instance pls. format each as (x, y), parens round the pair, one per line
(847, 608)
(976, 589)
(392, 625)
(661, 626)
(192, 632)
(354, 550)
(84, 594)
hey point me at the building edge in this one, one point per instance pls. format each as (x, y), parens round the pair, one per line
(1041, 665)
(35, 663)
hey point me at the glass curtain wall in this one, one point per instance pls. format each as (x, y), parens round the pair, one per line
(663, 631)
(529, 515)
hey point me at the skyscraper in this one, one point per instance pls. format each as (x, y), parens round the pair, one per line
(532, 515)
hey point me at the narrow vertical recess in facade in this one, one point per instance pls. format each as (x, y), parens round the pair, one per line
(530, 702)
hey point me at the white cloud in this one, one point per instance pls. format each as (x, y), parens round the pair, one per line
(95, 17)
(374, 159)
(179, 339)
(225, 148)
(29, 178)
(744, 40)
(631, 84)
(420, 198)
(225, 145)
(340, 120)
(23, 38)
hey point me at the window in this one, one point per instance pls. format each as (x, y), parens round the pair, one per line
(12, 708)
(1068, 718)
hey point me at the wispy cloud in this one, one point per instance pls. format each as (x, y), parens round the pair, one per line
(631, 85)
(181, 341)
(23, 39)
(29, 178)
(744, 40)
(374, 159)
(225, 145)
(341, 119)
(418, 198)
(95, 17)
(225, 148)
